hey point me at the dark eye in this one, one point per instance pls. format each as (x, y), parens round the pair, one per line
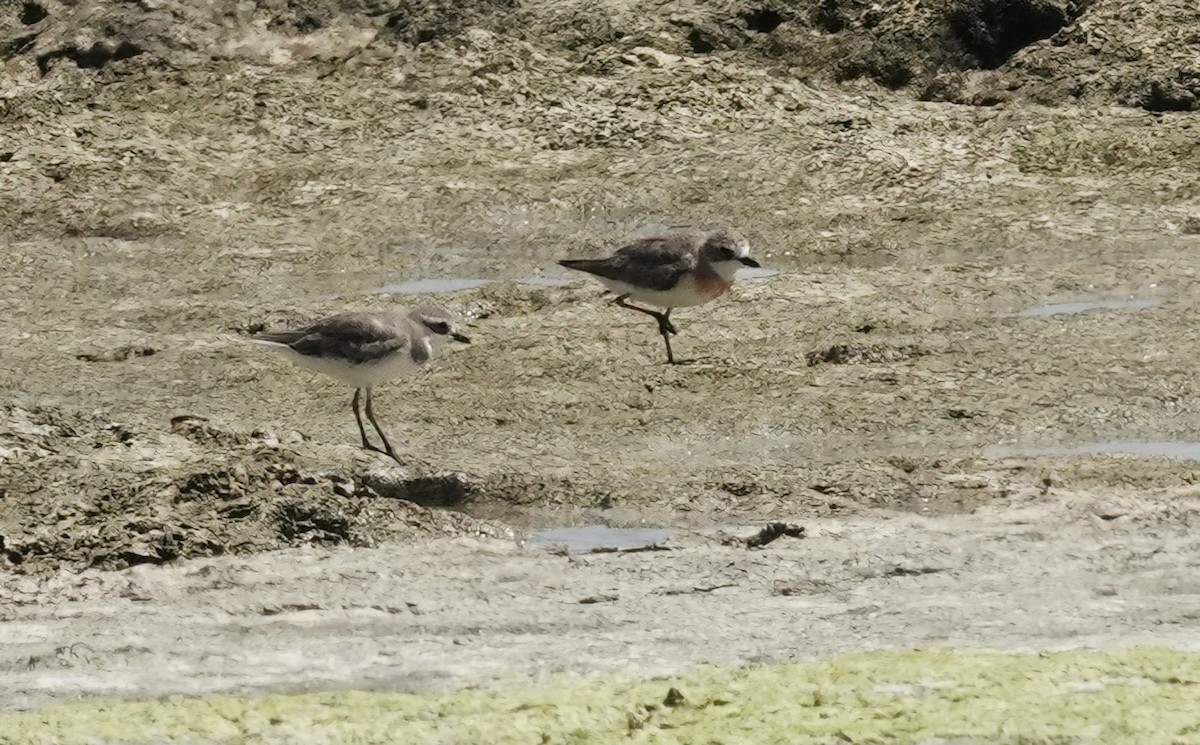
(439, 327)
(727, 253)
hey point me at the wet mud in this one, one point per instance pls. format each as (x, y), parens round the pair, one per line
(979, 325)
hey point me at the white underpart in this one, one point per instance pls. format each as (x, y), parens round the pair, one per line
(727, 269)
(683, 295)
(363, 375)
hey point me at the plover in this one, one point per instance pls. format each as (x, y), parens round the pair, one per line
(366, 349)
(670, 271)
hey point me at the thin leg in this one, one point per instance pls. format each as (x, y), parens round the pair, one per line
(665, 327)
(664, 319)
(386, 445)
(666, 322)
(358, 418)
(666, 331)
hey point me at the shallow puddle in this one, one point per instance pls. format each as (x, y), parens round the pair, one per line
(1179, 449)
(594, 537)
(751, 272)
(1083, 306)
(432, 285)
(543, 281)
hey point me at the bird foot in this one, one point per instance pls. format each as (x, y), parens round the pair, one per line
(389, 452)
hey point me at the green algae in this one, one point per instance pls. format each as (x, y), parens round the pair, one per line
(1143, 696)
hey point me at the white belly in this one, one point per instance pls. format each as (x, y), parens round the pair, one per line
(683, 295)
(364, 375)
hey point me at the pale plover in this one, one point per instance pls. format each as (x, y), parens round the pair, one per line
(366, 349)
(670, 271)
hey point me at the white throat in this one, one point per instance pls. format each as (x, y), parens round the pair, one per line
(726, 269)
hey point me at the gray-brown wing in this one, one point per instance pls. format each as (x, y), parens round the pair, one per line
(654, 263)
(354, 337)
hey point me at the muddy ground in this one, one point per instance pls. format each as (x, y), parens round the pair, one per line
(899, 387)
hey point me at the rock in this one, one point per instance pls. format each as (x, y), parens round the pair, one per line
(443, 489)
(651, 56)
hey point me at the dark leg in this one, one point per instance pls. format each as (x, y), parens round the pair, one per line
(664, 319)
(665, 327)
(366, 443)
(665, 323)
(387, 445)
(358, 418)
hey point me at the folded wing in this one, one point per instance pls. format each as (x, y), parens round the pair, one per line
(654, 263)
(354, 337)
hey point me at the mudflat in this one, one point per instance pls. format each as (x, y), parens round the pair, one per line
(969, 374)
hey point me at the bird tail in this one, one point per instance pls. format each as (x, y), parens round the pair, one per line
(583, 265)
(262, 342)
(279, 343)
(275, 338)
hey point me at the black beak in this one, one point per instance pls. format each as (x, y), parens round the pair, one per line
(749, 262)
(456, 336)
